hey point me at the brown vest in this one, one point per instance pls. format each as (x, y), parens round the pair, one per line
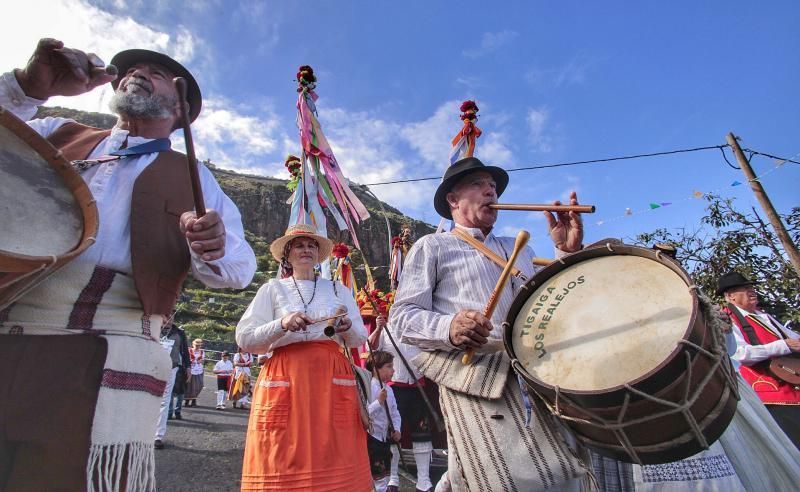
(159, 253)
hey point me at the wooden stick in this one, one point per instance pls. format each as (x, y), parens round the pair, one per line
(537, 260)
(583, 209)
(328, 318)
(464, 236)
(519, 244)
(194, 175)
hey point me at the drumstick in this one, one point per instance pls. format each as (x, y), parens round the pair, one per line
(519, 244)
(585, 209)
(194, 175)
(328, 318)
(537, 260)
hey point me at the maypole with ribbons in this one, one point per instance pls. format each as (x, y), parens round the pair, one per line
(324, 182)
(465, 140)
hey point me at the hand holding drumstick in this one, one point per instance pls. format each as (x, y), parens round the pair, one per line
(476, 326)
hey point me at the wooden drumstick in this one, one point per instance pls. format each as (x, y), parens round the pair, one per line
(519, 244)
(584, 209)
(194, 175)
(497, 259)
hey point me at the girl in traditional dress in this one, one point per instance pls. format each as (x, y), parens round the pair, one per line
(197, 357)
(241, 379)
(305, 430)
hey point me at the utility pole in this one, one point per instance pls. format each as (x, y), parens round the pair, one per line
(766, 204)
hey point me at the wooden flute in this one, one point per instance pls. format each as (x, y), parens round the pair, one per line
(584, 209)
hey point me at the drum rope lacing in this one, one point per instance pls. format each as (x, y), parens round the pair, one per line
(618, 427)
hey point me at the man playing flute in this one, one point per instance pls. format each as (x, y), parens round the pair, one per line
(444, 285)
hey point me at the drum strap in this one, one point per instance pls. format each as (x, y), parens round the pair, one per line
(157, 145)
(748, 330)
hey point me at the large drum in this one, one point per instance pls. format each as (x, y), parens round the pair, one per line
(613, 341)
(47, 213)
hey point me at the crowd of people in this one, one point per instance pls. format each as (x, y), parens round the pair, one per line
(317, 419)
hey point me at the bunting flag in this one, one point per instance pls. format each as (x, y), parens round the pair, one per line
(464, 141)
(696, 195)
(323, 178)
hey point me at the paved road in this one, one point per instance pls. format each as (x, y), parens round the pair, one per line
(203, 452)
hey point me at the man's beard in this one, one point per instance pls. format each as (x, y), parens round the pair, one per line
(146, 107)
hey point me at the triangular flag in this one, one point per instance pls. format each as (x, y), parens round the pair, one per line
(665, 204)
(735, 183)
(697, 194)
(779, 162)
(628, 211)
(599, 222)
(654, 206)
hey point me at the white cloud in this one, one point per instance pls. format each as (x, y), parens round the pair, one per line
(88, 29)
(234, 139)
(491, 42)
(538, 125)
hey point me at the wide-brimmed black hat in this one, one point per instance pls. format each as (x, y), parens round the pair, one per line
(731, 280)
(457, 171)
(125, 59)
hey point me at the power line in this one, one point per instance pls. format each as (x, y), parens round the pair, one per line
(564, 164)
(755, 152)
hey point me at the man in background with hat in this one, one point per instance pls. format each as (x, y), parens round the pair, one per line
(95, 429)
(444, 285)
(761, 338)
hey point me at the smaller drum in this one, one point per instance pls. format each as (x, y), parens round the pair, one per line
(47, 213)
(613, 341)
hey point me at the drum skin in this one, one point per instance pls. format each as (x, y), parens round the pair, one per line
(608, 338)
(47, 213)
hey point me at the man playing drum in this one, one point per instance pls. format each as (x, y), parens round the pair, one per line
(444, 284)
(94, 429)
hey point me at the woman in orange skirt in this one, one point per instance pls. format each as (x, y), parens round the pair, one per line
(306, 430)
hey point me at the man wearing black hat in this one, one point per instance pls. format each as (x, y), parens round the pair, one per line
(444, 284)
(96, 423)
(760, 338)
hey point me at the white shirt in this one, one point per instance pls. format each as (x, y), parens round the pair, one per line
(111, 184)
(751, 354)
(260, 330)
(223, 368)
(243, 357)
(401, 374)
(197, 361)
(441, 276)
(377, 412)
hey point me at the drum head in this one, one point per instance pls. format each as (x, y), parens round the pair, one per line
(601, 323)
(39, 214)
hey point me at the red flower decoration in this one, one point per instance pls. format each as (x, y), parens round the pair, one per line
(306, 74)
(341, 250)
(469, 105)
(396, 241)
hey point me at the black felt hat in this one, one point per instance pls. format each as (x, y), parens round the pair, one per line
(126, 59)
(457, 171)
(731, 280)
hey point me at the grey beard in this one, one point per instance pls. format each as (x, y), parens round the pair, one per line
(152, 107)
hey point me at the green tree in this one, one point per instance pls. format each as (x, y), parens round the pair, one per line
(729, 239)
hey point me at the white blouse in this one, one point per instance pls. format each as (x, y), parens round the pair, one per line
(260, 330)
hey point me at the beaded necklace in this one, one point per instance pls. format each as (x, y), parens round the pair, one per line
(313, 293)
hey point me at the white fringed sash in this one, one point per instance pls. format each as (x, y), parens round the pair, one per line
(80, 299)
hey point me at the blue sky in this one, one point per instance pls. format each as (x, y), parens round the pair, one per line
(555, 82)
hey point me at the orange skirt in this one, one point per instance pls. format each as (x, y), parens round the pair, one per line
(305, 432)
